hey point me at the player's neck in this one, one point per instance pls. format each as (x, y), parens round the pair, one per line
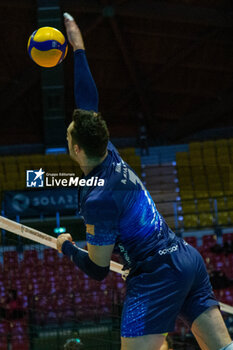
(89, 164)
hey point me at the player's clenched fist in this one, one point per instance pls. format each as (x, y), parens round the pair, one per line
(61, 239)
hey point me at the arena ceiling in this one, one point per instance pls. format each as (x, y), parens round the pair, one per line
(170, 61)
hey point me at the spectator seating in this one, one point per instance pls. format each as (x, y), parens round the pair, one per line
(161, 182)
(56, 290)
(130, 157)
(204, 175)
(4, 329)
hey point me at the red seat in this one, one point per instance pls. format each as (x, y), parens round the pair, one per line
(10, 255)
(227, 237)
(51, 257)
(229, 271)
(217, 293)
(3, 342)
(24, 301)
(4, 327)
(218, 265)
(41, 308)
(10, 261)
(30, 257)
(28, 271)
(30, 254)
(208, 241)
(20, 343)
(191, 240)
(68, 315)
(19, 327)
(104, 307)
(226, 295)
(4, 331)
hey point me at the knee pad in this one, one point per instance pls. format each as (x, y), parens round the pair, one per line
(228, 347)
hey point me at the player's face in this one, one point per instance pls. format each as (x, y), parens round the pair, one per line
(69, 140)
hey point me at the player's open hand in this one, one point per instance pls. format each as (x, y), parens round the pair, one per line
(61, 239)
(73, 33)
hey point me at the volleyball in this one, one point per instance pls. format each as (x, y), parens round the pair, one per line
(47, 47)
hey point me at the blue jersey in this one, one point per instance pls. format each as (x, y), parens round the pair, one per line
(122, 212)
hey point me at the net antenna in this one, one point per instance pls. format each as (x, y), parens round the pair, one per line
(49, 241)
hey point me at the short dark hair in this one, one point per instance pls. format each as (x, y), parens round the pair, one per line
(90, 133)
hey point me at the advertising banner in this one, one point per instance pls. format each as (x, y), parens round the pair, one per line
(47, 202)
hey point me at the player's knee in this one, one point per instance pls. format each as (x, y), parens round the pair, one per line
(228, 347)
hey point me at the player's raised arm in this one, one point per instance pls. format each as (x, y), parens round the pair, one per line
(85, 91)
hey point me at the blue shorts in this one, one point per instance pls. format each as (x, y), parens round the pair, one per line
(174, 282)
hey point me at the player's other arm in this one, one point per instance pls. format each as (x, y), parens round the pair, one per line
(85, 91)
(102, 215)
(95, 263)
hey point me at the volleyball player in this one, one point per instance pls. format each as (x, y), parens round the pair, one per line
(167, 276)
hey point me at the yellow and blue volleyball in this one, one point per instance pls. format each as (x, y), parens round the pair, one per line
(47, 47)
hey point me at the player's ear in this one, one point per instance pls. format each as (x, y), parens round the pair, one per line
(76, 149)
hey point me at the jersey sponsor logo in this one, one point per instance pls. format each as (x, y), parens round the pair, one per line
(90, 229)
(168, 250)
(124, 252)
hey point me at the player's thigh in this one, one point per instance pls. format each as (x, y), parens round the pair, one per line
(145, 342)
(210, 330)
